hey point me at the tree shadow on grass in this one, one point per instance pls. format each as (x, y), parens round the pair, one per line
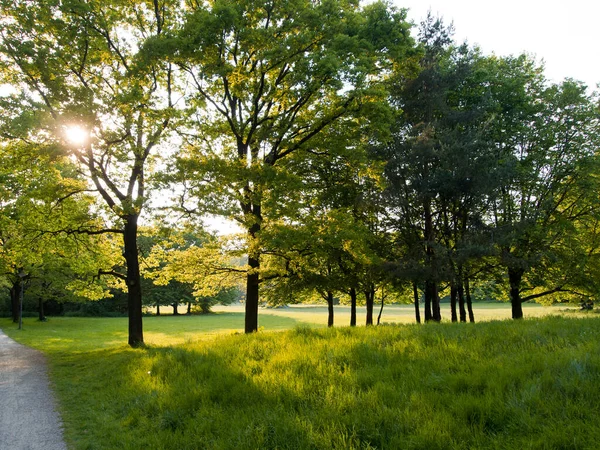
(180, 398)
(410, 387)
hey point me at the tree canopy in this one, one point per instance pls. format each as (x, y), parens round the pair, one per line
(360, 158)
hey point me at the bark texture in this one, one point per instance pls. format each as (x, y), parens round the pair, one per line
(514, 278)
(134, 286)
(352, 307)
(416, 299)
(329, 308)
(370, 302)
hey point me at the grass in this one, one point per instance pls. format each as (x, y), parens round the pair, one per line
(317, 315)
(502, 385)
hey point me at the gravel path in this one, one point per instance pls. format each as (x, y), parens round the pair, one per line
(28, 417)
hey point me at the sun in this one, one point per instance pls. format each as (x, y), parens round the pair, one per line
(76, 134)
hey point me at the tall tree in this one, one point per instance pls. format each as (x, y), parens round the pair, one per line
(79, 68)
(547, 141)
(268, 79)
(413, 158)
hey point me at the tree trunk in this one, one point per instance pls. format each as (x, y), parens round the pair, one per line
(427, 297)
(352, 307)
(251, 323)
(432, 306)
(435, 304)
(14, 301)
(189, 309)
(329, 309)
(41, 316)
(416, 297)
(175, 306)
(157, 309)
(461, 302)
(514, 278)
(432, 302)
(370, 302)
(453, 301)
(381, 309)
(134, 286)
(469, 303)
(252, 278)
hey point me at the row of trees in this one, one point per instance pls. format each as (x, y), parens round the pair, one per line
(356, 159)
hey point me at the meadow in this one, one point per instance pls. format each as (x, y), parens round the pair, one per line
(201, 385)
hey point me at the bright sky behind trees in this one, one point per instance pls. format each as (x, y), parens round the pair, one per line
(564, 34)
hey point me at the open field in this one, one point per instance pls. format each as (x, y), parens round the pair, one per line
(230, 319)
(172, 330)
(499, 384)
(317, 315)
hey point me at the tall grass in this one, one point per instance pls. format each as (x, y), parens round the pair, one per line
(503, 385)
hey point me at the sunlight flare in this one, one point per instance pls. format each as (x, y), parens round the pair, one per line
(76, 135)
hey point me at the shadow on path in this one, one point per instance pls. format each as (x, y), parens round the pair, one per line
(28, 417)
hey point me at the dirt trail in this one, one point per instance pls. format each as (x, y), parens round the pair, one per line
(28, 417)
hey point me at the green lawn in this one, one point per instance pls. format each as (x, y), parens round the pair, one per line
(501, 384)
(91, 333)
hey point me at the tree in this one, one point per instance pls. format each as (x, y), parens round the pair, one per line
(268, 79)
(414, 162)
(328, 238)
(487, 168)
(547, 141)
(79, 64)
(189, 265)
(36, 205)
(171, 294)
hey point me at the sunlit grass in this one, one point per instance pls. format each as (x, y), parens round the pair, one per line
(91, 333)
(505, 385)
(317, 315)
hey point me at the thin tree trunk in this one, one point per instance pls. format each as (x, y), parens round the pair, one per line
(352, 307)
(41, 315)
(14, 301)
(461, 302)
(435, 304)
(157, 309)
(329, 299)
(175, 306)
(251, 321)
(432, 302)
(381, 309)
(514, 278)
(432, 306)
(370, 302)
(469, 303)
(427, 295)
(453, 301)
(252, 278)
(189, 308)
(416, 298)
(134, 286)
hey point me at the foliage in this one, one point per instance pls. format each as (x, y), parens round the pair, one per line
(548, 150)
(267, 79)
(490, 177)
(111, 307)
(190, 266)
(77, 64)
(42, 197)
(357, 162)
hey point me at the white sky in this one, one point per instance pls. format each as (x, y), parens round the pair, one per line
(565, 34)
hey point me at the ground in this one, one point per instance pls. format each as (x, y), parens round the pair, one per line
(27, 410)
